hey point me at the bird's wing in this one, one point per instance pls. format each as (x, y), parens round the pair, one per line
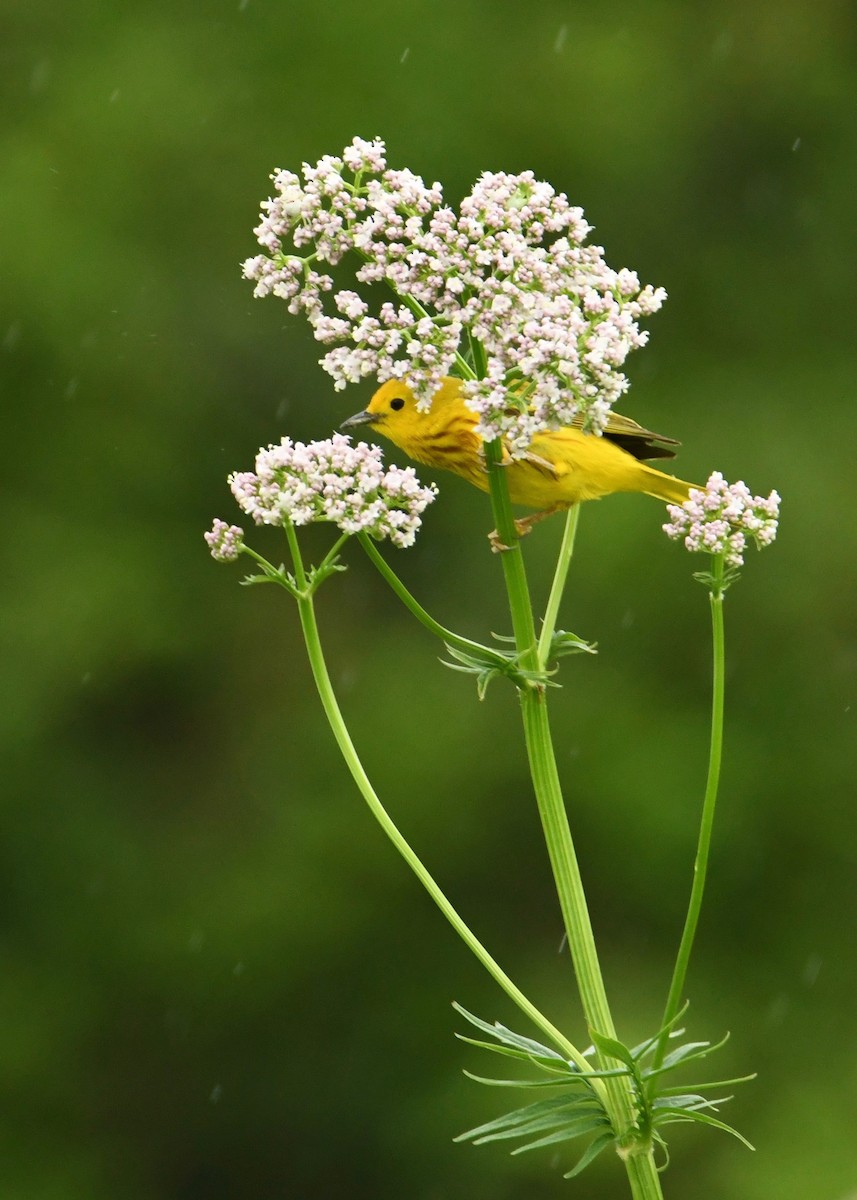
(635, 439)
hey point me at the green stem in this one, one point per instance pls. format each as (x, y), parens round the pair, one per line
(512, 560)
(636, 1153)
(700, 866)
(333, 713)
(558, 586)
(410, 602)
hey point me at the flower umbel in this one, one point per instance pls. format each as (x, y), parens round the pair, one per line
(224, 541)
(509, 271)
(332, 480)
(721, 519)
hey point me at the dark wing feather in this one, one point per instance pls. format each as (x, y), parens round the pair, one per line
(634, 439)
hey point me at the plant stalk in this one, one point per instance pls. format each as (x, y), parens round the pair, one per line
(558, 586)
(700, 866)
(309, 625)
(637, 1156)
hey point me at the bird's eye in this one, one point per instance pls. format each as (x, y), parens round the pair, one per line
(397, 403)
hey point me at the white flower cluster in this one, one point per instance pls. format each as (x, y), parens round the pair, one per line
(333, 481)
(509, 271)
(224, 541)
(721, 519)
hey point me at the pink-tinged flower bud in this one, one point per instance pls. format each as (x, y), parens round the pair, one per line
(722, 518)
(332, 480)
(224, 541)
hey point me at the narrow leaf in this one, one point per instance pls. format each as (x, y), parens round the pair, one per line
(502, 1034)
(613, 1048)
(687, 1100)
(715, 1083)
(509, 1051)
(556, 1121)
(705, 1119)
(573, 1130)
(585, 1095)
(592, 1151)
(520, 1116)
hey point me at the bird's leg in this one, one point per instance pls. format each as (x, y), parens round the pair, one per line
(537, 461)
(523, 525)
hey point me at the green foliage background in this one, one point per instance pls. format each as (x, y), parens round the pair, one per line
(216, 980)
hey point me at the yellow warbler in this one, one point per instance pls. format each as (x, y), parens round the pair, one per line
(561, 467)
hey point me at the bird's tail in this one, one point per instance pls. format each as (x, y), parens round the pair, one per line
(666, 487)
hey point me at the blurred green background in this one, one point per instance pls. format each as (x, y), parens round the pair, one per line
(218, 981)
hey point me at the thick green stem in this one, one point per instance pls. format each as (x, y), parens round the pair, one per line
(332, 711)
(637, 1155)
(520, 608)
(700, 866)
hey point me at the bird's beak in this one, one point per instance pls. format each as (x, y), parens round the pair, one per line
(361, 418)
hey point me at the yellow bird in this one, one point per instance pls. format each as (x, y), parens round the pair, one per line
(561, 466)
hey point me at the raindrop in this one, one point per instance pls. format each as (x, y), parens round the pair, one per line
(811, 970)
(196, 941)
(627, 619)
(778, 1008)
(563, 942)
(722, 45)
(238, 970)
(86, 679)
(282, 408)
(216, 1093)
(12, 336)
(114, 96)
(796, 144)
(71, 389)
(242, 4)
(40, 75)
(405, 54)
(559, 40)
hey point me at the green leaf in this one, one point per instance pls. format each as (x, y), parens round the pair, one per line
(557, 1122)
(685, 1101)
(648, 1046)
(573, 1129)
(566, 1082)
(613, 1048)
(563, 643)
(686, 1053)
(487, 664)
(705, 1119)
(553, 1108)
(590, 1154)
(502, 1034)
(510, 1052)
(714, 1083)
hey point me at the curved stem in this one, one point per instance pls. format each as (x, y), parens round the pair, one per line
(410, 602)
(700, 866)
(558, 586)
(333, 713)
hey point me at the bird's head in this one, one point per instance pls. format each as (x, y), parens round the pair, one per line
(392, 411)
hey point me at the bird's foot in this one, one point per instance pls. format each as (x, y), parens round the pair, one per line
(523, 525)
(498, 547)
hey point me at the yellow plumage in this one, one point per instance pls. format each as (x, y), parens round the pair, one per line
(561, 467)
